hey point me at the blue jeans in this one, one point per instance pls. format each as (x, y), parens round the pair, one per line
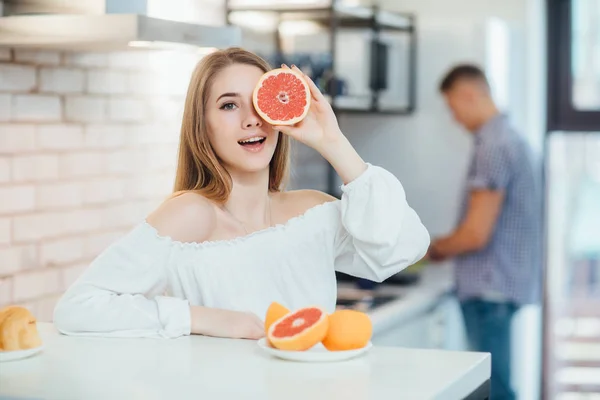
(488, 330)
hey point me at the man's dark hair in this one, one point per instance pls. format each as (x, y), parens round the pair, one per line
(460, 72)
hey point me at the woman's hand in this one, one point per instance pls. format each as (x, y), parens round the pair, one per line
(226, 323)
(320, 130)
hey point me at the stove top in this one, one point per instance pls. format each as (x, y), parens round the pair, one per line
(365, 303)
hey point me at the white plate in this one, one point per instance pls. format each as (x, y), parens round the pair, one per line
(317, 354)
(19, 354)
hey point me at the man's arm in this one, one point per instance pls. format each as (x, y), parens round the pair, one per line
(475, 230)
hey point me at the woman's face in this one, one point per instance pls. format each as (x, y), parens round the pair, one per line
(242, 140)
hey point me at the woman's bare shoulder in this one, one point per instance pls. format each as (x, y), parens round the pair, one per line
(188, 217)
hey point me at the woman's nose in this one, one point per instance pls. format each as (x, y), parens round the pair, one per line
(253, 120)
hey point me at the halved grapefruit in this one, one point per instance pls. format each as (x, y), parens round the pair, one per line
(282, 97)
(299, 330)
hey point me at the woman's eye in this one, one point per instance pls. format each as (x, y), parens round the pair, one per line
(228, 106)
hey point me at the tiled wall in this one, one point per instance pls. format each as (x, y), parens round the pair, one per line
(87, 148)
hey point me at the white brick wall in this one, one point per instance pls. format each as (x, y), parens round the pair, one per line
(80, 164)
(83, 221)
(5, 169)
(96, 243)
(35, 167)
(85, 109)
(61, 80)
(61, 252)
(128, 110)
(106, 136)
(30, 285)
(88, 145)
(144, 83)
(121, 161)
(5, 232)
(71, 273)
(5, 100)
(17, 199)
(6, 291)
(32, 107)
(60, 137)
(107, 82)
(17, 258)
(34, 227)
(16, 138)
(103, 191)
(43, 307)
(59, 195)
(17, 78)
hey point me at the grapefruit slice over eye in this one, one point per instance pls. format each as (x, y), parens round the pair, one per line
(299, 330)
(282, 97)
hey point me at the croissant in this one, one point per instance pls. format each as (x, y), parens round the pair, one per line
(18, 329)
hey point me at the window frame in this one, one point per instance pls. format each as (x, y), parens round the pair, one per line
(561, 115)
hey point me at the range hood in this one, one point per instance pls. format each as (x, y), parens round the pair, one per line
(102, 25)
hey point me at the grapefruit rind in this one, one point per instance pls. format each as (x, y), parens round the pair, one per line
(274, 312)
(348, 330)
(303, 340)
(259, 85)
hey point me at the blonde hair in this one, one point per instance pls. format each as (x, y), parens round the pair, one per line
(198, 167)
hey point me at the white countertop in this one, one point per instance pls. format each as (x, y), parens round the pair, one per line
(198, 367)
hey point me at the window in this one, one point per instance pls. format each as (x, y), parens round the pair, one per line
(573, 65)
(585, 53)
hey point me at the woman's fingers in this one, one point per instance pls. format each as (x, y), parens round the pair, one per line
(314, 90)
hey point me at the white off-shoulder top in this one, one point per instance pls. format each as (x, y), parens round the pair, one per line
(143, 284)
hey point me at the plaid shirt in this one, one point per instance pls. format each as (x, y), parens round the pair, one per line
(509, 266)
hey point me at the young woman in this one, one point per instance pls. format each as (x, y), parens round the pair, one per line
(212, 258)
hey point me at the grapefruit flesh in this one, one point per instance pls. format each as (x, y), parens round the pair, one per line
(282, 97)
(274, 312)
(299, 330)
(348, 330)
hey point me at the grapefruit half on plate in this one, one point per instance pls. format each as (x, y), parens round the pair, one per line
(282, 97)
(299, 330)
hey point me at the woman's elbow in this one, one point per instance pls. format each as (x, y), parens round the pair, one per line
(416, 239)
(69, 316)
(423, 242)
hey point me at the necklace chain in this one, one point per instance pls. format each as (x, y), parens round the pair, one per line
(242, 223)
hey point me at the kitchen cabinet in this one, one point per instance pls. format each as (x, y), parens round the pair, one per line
(437, 327)
(413, 332)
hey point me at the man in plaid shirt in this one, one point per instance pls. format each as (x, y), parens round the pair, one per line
(497, 245)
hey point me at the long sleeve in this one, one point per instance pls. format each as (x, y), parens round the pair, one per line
(379, 233)
(120, 293)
